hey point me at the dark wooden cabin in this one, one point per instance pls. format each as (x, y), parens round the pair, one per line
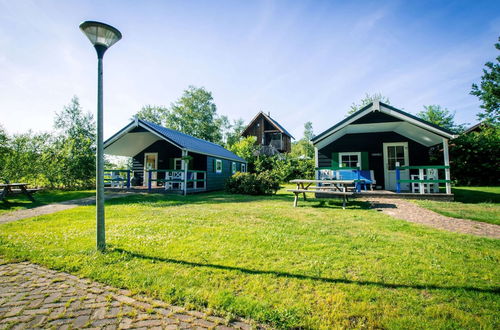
(171, 160)
(381, 138)
(269, 133)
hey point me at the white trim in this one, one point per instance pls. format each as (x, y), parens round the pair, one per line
(221, 166)
(350, 154)
(175, 162)
(406, 156)
(243, 167)
(233, 167)
(185, 168)
(446, 155)
(144, 167)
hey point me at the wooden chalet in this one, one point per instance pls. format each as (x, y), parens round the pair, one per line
(165, 159)
(269, 133)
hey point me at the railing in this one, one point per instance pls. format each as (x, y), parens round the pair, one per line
(427, 178)
(174, 179)
(278, 144)
(117, 178)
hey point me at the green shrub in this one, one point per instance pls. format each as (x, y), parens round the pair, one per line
(252, 184)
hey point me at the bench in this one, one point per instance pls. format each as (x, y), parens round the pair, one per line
(344, 195)
(361, 177)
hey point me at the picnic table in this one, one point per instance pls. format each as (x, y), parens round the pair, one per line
(335, 188)
(8, 189)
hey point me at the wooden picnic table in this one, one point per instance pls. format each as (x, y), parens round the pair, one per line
(330, 187)
(6, 189)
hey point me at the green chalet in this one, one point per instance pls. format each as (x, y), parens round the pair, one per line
(389, 147)
(169, 160)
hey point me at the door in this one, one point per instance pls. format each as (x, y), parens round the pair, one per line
(150, 163)
(396, 152)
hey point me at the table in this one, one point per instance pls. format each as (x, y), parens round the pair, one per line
(6, 190)
(336, 188)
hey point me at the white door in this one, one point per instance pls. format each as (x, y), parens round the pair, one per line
(396, 152)
(150, 163)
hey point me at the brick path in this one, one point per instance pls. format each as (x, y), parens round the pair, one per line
(408, 211)
(32, 296)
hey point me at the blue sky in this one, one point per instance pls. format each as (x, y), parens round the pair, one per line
(300, 60)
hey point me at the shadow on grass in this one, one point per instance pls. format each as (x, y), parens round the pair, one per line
(303, 277)
(467, 196)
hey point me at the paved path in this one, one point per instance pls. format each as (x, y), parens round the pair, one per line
(408, 211)
(32, 296)
(51, 208)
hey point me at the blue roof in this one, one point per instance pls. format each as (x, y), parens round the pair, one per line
(191, 143)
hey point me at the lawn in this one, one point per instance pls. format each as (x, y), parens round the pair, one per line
(314, 266)
(20, 202)
(474, 203)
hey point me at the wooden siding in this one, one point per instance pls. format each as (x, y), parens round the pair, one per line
(372, 143)
(165, 150)
(261, 128)
(375, 117)
(216, 181)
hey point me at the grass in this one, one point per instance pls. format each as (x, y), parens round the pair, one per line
(473, 203)
(20, 202)
(314, 266)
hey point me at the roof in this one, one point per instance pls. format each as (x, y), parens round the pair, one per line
(406, 125)
(181, 140)
(272, 121)
(379, 106)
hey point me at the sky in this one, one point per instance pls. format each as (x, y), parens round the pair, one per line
(299, 60)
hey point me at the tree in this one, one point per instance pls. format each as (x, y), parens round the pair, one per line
(195, 114)
(77, 142)
(308, 131)
(442, 117)
(367, 100)
(304, 147)
(246, 149)
(153, 113)
(4, 148)
(489, 91)
(233, 134)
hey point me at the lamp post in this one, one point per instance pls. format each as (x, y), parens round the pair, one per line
(102, 36)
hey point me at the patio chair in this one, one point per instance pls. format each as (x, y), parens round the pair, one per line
(116, 180)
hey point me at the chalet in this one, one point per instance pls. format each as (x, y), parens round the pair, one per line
(171, 160)
(269, 133)
(390, 144)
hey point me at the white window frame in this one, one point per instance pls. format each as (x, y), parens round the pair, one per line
(175, 164)
(350, 154)
(233, 167)
(217, 162)
(243, 167)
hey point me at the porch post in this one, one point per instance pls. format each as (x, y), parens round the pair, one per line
(316, 162)
(185, 167)
(447, 163)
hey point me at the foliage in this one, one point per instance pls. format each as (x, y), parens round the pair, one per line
(152, 113)
(195, 113)
(310, 267)
(369, 98)
(233, 134)
(304, 147)
(247, 149)
(442, 117)
(65, 159)
(475, 157)
(252, 184)
(285, 167)
(489, 91)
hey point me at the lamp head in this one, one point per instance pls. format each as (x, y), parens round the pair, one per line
(101, 35)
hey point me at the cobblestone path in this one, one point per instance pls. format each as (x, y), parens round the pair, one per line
(408, 211)
(32, 296)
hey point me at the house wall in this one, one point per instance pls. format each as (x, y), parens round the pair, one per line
(258, 129)
(216, 181)
(372, 143)
(166, 153)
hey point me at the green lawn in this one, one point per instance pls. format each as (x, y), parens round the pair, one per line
(314, 266)
(19, 202)
(474, 203)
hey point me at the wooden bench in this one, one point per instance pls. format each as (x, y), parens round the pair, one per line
(342, 194)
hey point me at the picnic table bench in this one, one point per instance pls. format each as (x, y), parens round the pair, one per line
(9, 189)
(334, 188)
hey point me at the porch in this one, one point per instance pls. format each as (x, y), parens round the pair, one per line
(169, 181)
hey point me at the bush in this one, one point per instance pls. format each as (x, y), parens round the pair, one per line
(285, 167)
(252, 184)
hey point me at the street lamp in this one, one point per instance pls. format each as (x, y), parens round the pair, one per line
(102, 36)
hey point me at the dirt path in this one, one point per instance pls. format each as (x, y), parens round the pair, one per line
(52, 208)
(32, 296)
(408, 211)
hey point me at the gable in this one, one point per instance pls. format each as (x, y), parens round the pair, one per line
(269, 125)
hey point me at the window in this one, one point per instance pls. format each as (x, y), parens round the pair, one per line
(218, 166)
(395, 154)
(243, 167)
(178, 164)
(233, 167)
(350, 159)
